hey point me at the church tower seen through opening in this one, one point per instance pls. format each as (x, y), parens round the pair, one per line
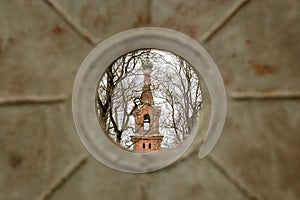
(146, 116)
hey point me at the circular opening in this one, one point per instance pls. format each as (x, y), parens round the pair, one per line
(148, 100)
(94, 138)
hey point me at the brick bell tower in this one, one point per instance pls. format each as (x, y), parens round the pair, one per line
(146, 115)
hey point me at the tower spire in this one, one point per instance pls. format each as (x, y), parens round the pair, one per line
(147, 68)
(146, 93)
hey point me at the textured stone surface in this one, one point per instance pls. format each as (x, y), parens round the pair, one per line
(192, 17)
(191, 179)
(260, 141)
(104, 18)
(39, 53)
(257, 50)
(182, 181)
(95, 180)
(39, 56)
(36, 144)
(260, 147)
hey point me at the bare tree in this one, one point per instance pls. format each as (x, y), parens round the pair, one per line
(180, 88)
(174, 84)
(114, 75)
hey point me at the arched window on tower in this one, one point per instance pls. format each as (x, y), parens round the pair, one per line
(146, 122)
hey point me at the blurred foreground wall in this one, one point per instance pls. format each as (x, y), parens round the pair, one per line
(256, 45)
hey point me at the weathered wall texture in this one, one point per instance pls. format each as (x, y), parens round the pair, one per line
(42, 44)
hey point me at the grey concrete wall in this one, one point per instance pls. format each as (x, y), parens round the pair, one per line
(257, 47)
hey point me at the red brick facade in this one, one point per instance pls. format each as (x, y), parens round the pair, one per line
(146, 143)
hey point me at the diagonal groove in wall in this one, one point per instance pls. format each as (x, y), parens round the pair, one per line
(221, 169)
(220, 23)
(80, 30)
(230, 178)
(63, 178)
